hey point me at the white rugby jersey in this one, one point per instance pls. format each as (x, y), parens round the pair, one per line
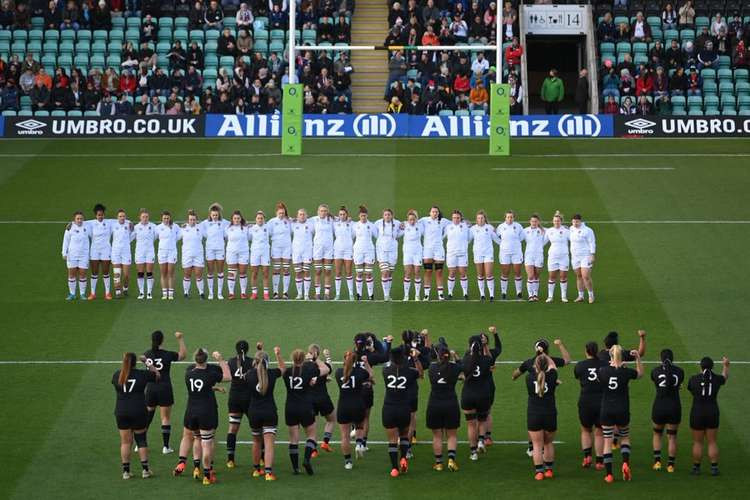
(458, 237)
(122, 234)
(364, 232)
(511, 236)
(76, 240)
(237, 238)
(582, 241)
(484, 236)
(344, 233)
(302, 234)
(214, 232)
(101, 232)
(536, 238)
(413, 236)
(323, 230)
(433, 230)
(280, 230)
(145, 235)
(558, 238)
(259, 237)
(168, 236)
(388, 234)
(192, 239)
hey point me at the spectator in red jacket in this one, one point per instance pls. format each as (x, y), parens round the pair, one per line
(644, 82)
(611, 107)
(127, 82)
(461, 84)
(513, 54)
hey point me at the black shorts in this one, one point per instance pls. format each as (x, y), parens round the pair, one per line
(350, 414)
(322, 405)
(396, 417)
(588, 413)
(666, 412)
(159, 395)
(443, 415)
(368, 397)
(303, 416)
(132, 421)
(263, 417)
(702, 421)
(539, 422)
(481, 403)
(414, 404)
(204, 420)
(611, 417)
(238, 404)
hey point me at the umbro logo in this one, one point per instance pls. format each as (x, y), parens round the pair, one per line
(30, 127)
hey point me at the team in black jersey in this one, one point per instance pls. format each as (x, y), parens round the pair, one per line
(704, 413)
(443, 412)
(322, 403)
(238, 403)
(418, 345)
(590, 405)
(541, 413)
(376, 352)
(351, 408)
(666, 412)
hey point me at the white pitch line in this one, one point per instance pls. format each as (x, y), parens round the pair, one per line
(211, 168)
(9, 222)
(371, 155)
(586, 169)
(494, 441)
(117, 362)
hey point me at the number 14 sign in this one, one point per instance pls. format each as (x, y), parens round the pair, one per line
(554, 19)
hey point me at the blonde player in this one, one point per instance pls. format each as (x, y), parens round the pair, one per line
(145, 236)
(75, 252)
(343, 252)
(533, 258)
(484, 253)
(386, 249)
(101, 249)
(302, 253)
(434, 252)
(323, 250)
(215, 228)
(122, 236)
(583, 254)
(558, 258)
(168, 234)
(260, 254)
(458, 235)
(413, 251)
(511, 235)
(238, 254)
(192, 254)
(364, 252)
(280, 229)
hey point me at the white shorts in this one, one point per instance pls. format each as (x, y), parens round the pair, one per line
(281, 252)
(302, 256)
(260, 258)
(364, 257)
(534, 259)
(457, 260)
(389, 257)
(558, 262)
(238, 257)
(168, 257)
(436, 252)
(121, 256)
(484, 257)
(79, 261)
(412, 257)
(217, 254)
(581, 261)
(192, 261)
(144, 257)
(342, 253)
(511, 258)
(101, 253)
(323, 251)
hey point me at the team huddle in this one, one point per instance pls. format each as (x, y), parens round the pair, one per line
(604, 402)
(324, 251)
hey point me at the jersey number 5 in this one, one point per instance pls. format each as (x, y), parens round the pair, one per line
(613, 384)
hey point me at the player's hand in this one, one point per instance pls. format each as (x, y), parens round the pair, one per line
(425, 332)
(641, 333)
(178, 335)
(326, 353)
(217, 355)
(725, 361)
(219, 389)
(635, 354)
(557, 342)
(492, 329)
(389, 339)
(308, 356)
(592, 258)
(277, 350)
(259, 345)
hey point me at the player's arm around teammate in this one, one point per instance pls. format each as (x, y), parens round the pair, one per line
(533, 257)
(343, 249)
(485, 238)
(192, 235)
(458, 236)
(704, 414)
(238, 254)
(558, 258)
(238, 403)
(101, 249)
(75, 252)
(263, 412)
(364, 253)
(434, 250)
(323, 251)
(260, 255)
(145, 237)
(122, 236)
(412, 254)
(302, 253)
(322, 404)
(350, 410)
(281, 251)
(511, 255)
(168, 233)
(388, 232)
(214, 228)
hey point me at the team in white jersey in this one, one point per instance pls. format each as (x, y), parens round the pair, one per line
(326, 242)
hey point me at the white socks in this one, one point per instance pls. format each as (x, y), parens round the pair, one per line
(465, 285)
(480, 284)
(490, 280)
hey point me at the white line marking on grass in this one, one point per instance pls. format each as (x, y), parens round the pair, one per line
(211, 168)
(10, 222)
(494, 441)
(117, 362)
(587, 169)
(372, 155)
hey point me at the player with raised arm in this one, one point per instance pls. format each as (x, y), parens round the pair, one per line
(415, 343)
(75, 252)
(214, 229)
(343, 252)
(238, 403)
(280, 228)
(458, 235)
(321, 400)
(443, 412)
(237, 236)
(533, 257)
(260, 254)
(302, 253)
(160, 393)
(583, 252)
(101, 249)
(122, 236)
(192, 254)
(511, 235)
(590, 406)
(376, 352)
(667, 409)
(434, 252)
(412, 259)
(350, 410)
(558, 258)
(364, 253)
(263, 413)
(323, 235)
(145, 236)
(389, 230)
(615, 412)
(541, 413)
(168, 233)
(130, 411)
(704, 413)
(484, 236)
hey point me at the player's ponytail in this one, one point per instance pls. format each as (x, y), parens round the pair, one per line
(615, 354)
(667, 358)
(201, 356)
(128, 362)
(241, 347)
(282, 206)
(348, 364)
(298, 357)
(707, 365)
(157, 338)
(261, 369)
(592, 349)
(540, 366)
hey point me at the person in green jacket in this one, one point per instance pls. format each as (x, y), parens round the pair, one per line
(553, 91)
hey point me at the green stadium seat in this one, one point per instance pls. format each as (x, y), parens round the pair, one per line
(34, 46)
(167, 22)
(657, 34)
(116, 36)
(702, 21)
(607, 47)
(41, 112)
(640, 48)
(58, 112)
(728, 100)
(729, 112)
(640, 59)
(708, 74)
(226, 61)
(679, 112)
(260, 34)
(114, 61)
(711, 111)
(25, 112)
(743, 101)
(164, 35)
(260, 22)
(725, 62)
(695, 101)
(276, 46)
(9, 112)
(445, 112)
(133, 22)
(621, 19)
(49, 60)
(84, 35)
(724, 74)
(65, 60)
(66, 47)
(68, 35)
(118, 23)
(261, 46)
(163, 60)
(163, 47)
(710, 86)
(197, 35)
(687, 34)
(477, 112)
(180, 34)
(653, 21)
(623, 47)
(81, 60)
(710, 100)
(230, 22)
(211, 61)
(671, 35)
(695, 112)
(213, 35)
(726, 87)
(83, 47)
(20, 35)
(181, 22)
(97, 61)
(101, 35)
(279, 34)
(99, 48)
(744, 112)
(75, 112)
(210, 47)
(92, 113)
(741, 74)
(36, 34)
(678, 100)
(37, 22)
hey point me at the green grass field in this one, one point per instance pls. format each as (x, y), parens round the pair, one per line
(685, 283)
